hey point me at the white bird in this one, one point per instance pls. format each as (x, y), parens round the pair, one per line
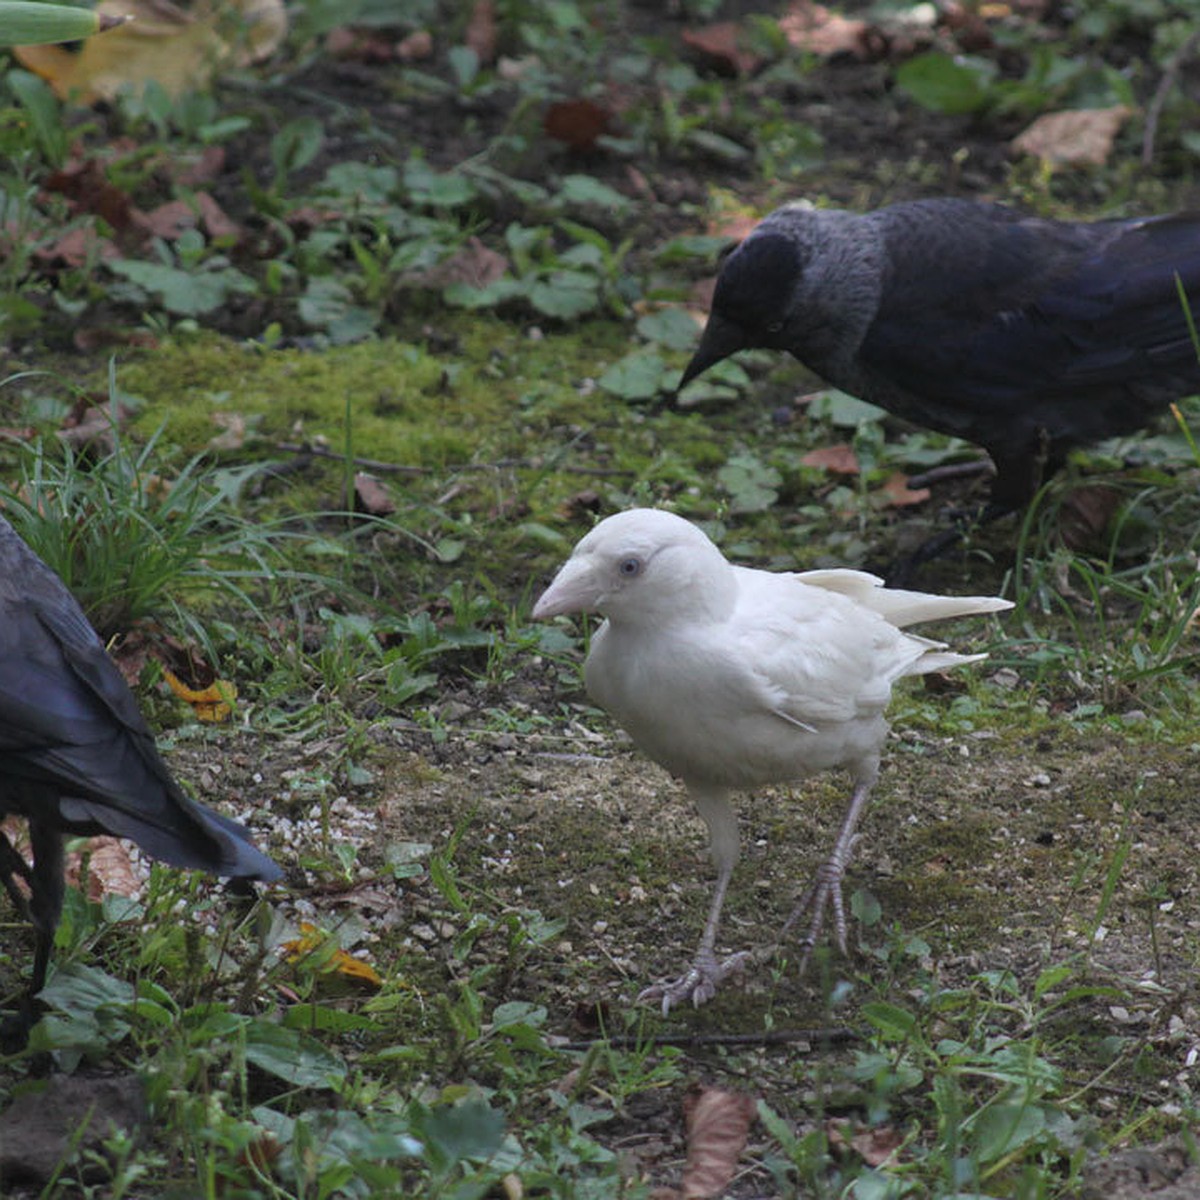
(731, 678)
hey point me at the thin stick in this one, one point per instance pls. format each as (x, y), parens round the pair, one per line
(835, 1035)
(1165, 84)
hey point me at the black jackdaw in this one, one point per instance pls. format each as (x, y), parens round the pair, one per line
(76, 755)
(1025, 335)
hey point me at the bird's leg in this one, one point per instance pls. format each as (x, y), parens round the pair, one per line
(700, 981)
(948, 471)
(12, 867)
(825, 891)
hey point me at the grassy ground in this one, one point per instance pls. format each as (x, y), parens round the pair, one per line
(1019, 1006)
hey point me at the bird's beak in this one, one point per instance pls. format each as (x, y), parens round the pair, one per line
(720, 339)
(572, 590)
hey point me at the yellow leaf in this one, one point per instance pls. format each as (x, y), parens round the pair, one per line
(179, 50)
(212, 704)
(312, 940)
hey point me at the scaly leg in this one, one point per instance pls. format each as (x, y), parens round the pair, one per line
(700, 981)
(825, 892)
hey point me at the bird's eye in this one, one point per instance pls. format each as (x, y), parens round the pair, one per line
(630, 567)
(775, 327)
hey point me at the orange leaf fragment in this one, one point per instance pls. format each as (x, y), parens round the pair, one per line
(897, 493)
(340, 962)
(838, 460)
(212, 704)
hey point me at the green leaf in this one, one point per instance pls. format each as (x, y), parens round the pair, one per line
(1004, 1127)
(328, 304)
(464, 295)
(471, 1129)
(843, 410)
(585, 190)
(637, 376)
(753, 485)
(953, 86)
(320, 1017)
(291, 1056)
(565, 294)
(669, 327)
(895, 1023)
(518, 1012)
(719, 147)
(25, 23)
(184, 293)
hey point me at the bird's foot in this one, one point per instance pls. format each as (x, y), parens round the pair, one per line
(698, 983)
(823, 897)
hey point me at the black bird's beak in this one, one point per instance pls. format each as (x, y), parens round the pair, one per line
(720, 339)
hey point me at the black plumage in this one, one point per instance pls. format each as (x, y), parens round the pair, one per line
(77, 757)
(1024, 335)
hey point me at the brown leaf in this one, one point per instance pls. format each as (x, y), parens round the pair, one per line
(474, 264)
(85, 185)
(416, 47)
(90, 428)
(813, 28)
(718, 46)
(110, 869)
(896, 493)
(482, 31)
(1085, 514)
(876, 1146)
(359, 45)
(838, 460)
(193, 170)
(370, 496)
(76, 248)
(1077, 137)
(718, 1123)
(577, 123)
(171, 220)
(98, 337)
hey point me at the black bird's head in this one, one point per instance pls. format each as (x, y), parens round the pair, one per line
(751, 302)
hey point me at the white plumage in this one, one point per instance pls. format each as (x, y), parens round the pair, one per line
(732, 678)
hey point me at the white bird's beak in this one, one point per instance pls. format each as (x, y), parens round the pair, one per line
(572, 590)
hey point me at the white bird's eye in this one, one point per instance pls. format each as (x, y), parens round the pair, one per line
(630, 567)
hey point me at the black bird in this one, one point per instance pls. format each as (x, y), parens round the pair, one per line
(77, 757)
(1024, 335)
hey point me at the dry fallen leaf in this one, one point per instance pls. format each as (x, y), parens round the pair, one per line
(179, 49)
(718, 1123)
(897, 494)
(1078, 137)
(211, 704)
(719, 46)
(371, 496)
(482, 31)
(234, 435)
(1086, 513)
(839, 459)
(474, 264)
(813, 28)
(110, 869)
(312, 939)
(577, 123)
(416, 47)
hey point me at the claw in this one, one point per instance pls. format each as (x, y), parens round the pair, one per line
(698, 983)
